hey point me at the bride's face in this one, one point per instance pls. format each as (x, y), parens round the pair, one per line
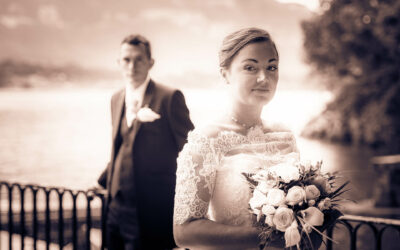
(253, 74)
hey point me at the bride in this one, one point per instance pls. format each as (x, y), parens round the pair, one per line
(212, 195)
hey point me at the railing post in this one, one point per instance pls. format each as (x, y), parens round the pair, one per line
(89, 198)
(22, 216)
(35, 222)
(48, 224)
(329, 232)
(43, 220)
(378, 241)
(10, 217)
(1, 186)
(60, 219)
(74, 221)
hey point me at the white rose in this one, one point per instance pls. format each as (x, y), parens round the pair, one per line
(258, 200)
(292, 235)
(283, 218)
(287, 172)
(263, 187)
(261, 175)
(145, 114)
(312, 192)
(295, 195)
(313, 216)
(268, 209)
(275, 197)
(269, 220)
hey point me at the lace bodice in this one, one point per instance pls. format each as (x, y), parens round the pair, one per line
(210, 183)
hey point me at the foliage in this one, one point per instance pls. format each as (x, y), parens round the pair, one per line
(355, 45)
(355, 41)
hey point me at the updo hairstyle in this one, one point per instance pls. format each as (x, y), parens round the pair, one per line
(237, 40)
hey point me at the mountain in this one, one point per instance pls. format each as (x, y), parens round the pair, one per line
(32, 75)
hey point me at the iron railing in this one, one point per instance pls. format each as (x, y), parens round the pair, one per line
(67, 219)
(351, 229)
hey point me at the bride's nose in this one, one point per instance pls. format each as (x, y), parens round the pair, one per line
(262, 77)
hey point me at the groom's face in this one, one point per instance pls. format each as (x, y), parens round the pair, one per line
(134, 63)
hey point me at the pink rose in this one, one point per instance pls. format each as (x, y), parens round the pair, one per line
(312, 192)
(325, 204)
(283, 218)
(322, 184)
(295, 195)
(311, 203)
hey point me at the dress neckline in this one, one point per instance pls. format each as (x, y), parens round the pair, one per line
(257, 129)
(257, 134)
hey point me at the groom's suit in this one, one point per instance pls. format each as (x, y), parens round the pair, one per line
(147, 178)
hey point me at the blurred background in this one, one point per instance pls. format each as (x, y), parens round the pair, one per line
(339, 88)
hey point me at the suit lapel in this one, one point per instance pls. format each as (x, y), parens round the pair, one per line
(148, 97)
(117, 105)
(117, 112)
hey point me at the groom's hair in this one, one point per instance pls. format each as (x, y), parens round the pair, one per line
(237, 40)
(137, 40)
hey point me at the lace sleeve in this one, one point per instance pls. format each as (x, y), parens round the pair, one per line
(195, 178)
(293, 143)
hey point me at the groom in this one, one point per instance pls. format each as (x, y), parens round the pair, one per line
(150, 123)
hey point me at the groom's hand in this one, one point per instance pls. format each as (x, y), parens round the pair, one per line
(98, 189)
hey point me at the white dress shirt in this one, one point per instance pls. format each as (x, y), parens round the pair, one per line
(134, 99)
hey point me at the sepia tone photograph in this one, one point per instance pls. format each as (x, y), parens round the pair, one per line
(200, 124)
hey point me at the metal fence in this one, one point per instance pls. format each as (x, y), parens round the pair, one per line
(50, 216)
(62, 218)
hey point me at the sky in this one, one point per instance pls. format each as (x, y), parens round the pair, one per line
(312, 5)
(185, 34)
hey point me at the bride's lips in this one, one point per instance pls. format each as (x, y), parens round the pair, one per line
(261, 90)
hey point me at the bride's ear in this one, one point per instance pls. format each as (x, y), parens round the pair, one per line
(224, 75)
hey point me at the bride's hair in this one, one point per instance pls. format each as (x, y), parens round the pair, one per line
(237, 40)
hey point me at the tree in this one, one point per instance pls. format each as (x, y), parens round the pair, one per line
(355, 45)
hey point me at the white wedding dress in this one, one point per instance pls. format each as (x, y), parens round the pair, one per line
(210, 182)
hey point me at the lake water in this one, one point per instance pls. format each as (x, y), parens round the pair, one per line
(62, 137)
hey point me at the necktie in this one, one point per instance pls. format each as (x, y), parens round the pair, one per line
(131, 111)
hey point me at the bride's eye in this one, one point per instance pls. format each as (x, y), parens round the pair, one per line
(272, 68)
(250, 68)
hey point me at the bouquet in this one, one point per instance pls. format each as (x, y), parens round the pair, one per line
(292, 200)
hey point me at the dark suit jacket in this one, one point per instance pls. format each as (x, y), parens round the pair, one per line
(156, 147)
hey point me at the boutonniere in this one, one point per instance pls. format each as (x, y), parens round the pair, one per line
(145, 114)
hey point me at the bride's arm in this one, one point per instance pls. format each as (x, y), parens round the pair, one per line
(196, 175)
(206, 233)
